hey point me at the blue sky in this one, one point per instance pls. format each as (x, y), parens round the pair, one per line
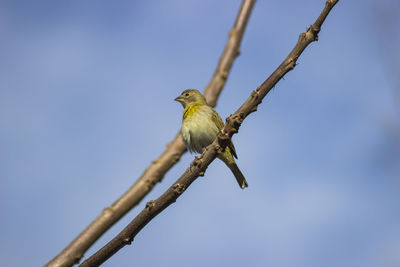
(86, 103)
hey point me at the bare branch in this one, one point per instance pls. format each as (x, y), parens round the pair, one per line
(200, 164)
(231, 51)
(157, 169)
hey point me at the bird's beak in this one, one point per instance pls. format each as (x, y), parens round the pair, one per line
(179, 99)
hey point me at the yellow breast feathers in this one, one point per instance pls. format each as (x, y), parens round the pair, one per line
(190, 110)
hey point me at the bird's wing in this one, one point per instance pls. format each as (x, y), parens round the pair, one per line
(217, 119)
(220, 124)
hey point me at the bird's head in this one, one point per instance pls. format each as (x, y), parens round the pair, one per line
(191, 96)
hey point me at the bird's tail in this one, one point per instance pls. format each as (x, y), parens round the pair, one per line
(227, 158)
(238, 175)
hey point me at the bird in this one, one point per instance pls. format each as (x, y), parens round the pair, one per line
(200, 126)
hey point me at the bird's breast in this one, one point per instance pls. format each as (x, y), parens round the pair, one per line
(198, 130)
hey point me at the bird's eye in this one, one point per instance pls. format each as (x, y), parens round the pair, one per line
(187, 94)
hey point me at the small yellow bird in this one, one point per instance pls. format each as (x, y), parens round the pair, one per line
(200, 125)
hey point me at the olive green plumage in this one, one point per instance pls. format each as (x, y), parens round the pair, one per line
(200, 125)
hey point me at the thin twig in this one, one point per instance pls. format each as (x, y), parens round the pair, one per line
(200, 164)
(157, 169)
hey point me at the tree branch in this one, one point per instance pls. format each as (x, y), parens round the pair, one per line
(157, 169)
(200, 164)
